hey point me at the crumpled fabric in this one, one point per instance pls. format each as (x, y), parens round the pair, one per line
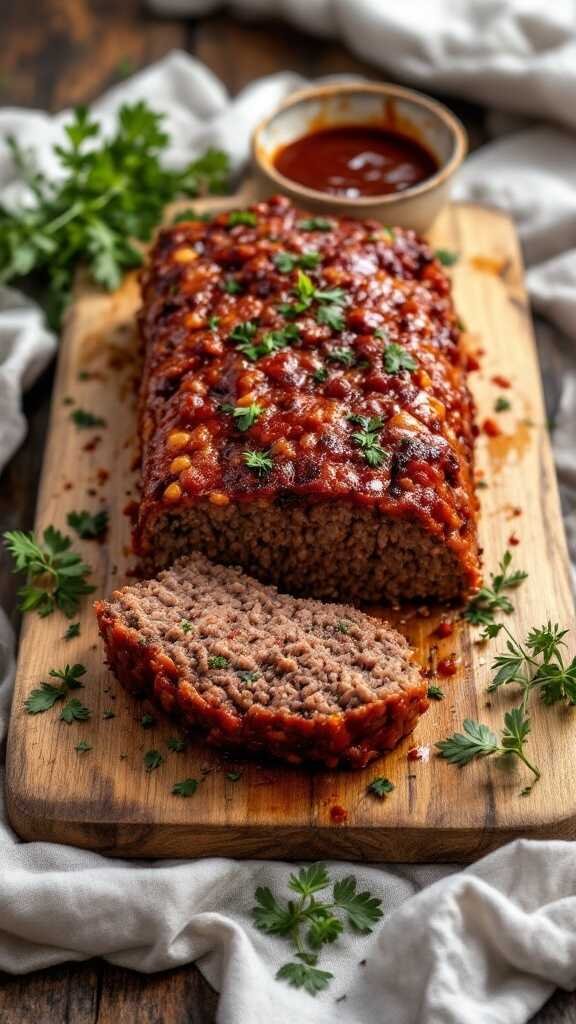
(455, 946)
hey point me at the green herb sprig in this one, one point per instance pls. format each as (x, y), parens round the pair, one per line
(309, 923)
(366, 439)
(481, 609)
(56, 575)
(88, 526)
(112, 191)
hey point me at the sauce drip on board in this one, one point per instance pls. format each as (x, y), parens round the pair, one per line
(356, 160)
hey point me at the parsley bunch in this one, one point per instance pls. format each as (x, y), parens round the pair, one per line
(310, 923)
(112, 191)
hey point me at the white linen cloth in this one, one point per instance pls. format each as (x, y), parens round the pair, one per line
(485, 944)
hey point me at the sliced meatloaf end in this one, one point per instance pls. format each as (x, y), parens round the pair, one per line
(262, 672)
(304, 410)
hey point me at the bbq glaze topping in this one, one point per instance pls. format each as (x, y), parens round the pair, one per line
(294, 355)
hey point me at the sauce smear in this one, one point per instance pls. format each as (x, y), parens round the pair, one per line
(355, 160)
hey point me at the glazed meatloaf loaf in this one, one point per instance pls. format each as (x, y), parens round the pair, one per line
(304, 409)
(260, 671)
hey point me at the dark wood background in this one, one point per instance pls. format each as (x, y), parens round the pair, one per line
(55, 53)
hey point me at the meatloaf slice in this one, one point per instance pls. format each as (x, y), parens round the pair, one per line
(261, 671)
(304, 408)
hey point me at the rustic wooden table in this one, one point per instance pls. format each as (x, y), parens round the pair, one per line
(55, 53)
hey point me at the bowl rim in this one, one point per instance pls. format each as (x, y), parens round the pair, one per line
(442, 112)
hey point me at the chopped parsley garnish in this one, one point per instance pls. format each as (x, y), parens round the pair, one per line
(380, 787)
(56, 575)
(88, 526)
(190, 214)
(218, 661)
(310, 923)
(243, 332)
(108, 714)
(396, 359)
(176, 744)
(72, 631)
(332, 316)
(185, 788)
(246, 676)
(186, 626)
(84, 420)
(447, 257)
(435, 693)
(502, 404)
(110, 191)
(213, 322)
(245, 416)
(287, 261)
(259, 462)
(367, 439)
(231, 286)
(346, 356)
(315, 224)
(343, 627)
(481, 609)
(74, 711)
(83, 747)
(320, 375)
(242, 217)
(147, 721)
(45, 697)
(381, 332)
(270, 342)
(152, 760)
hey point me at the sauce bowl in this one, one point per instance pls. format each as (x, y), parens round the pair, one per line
(377, 105)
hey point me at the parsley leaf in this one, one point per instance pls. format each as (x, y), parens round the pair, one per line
(84, 420)
(231, 286)
(260, 462)
(247, 677)
(56, 575)
(332, 316)
(217, 661)
(380, 787)
(367, 439)
(315, 224)
(245, 416)
(309, 923)
(186, 626)
(435, 693)
(397, 359)
(481, 608)
(70, 675)
(44, 698)
(286, 262)
(72, 631)
(83, 747)
(447, 257)
(147, 721)
(152, 760)
(476, 741)
(502, 404)
(346, 356)
(87, 526)
(74, 711)
(246, 217)
(185, 788)
(176, 744)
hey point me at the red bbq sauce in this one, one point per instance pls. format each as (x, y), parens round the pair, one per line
(356, 160)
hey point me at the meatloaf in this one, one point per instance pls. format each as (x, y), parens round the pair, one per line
(304, 408)
(260, 671)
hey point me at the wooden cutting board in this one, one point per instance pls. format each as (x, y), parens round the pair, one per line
(105, 800)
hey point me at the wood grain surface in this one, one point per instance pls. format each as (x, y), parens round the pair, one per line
(48, 60)
(437, 812)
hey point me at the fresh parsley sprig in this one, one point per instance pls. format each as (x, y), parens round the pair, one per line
(478, 740)
(111, 192)
(481, 609)
(366, 439)
(310, 923)
(47, 695)
(88, 526)
(56, 575)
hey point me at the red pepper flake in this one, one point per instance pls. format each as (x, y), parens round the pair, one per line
(418, 754)
(502, 382)
(472, 363)
(338, 814)
(513, 540)
(491, 428)
(444, 629)
(448, 666)
(103, 475)
(92, 444)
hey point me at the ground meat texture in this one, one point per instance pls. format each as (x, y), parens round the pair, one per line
(304, 409)
(260, 671)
